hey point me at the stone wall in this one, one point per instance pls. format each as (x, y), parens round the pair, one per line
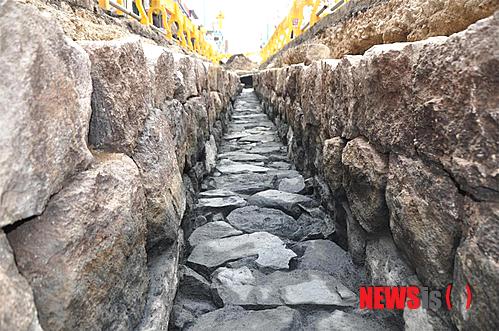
(402, 143)
(102, 145)
(360, 24)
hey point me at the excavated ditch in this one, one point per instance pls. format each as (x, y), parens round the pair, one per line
(258, 249)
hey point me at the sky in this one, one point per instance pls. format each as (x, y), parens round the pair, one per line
(246, 23)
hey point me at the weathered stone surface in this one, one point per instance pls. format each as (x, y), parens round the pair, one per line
(161, 178)
(333, 168)
(306, 54)
(477, 264)
(210, 151)
(425, 212)
(341, 321)
(315, 223)
(356, 237)
(178, 126)
(216, 194)
(249, 183)
(424, 319)
(244, 287)
(255, 219)
(234, 318)
(292, 185)
(244, 157)
(118, 112)
(212, 230)
(161, 69)
(223, 204)
(185, 77)
(326, 256)
(85, 255)
(364, 181)
(164, 278)
(459, 128)
(231, 167)
(45, 102)
(385, 265)
(270, 250)
(186, 310)
(287, 202)
(18, 311)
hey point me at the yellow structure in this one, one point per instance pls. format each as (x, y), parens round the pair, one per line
(220, 18)
(291, 25)
(176, 25)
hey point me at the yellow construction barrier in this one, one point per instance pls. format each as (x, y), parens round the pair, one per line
(291, 26)
(175, 25)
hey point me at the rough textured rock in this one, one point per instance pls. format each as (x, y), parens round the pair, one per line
(85, 255)
(425, 217)
(465, 137)
(210, 151)
(223, 204)
(231, 167)
(119, 112)
(385, 265)
(333, 168)
(255, 219)
(477, 264)
(244, 287)
(363, 24)
(287, 202)
(18, 311)
(365, 182)
(161, 178)
(161, 69)
(270, 250)
(45, 102)
(233, 318)
(326, 256)
(164, 278)
(292, 185)
(212, 230)
(305, 54)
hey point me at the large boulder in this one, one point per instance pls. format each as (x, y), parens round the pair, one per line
(456, 92)
(18, 311)
(45, 94)
(425, 217)
(85, 255)
(161, 178)
(364, 181)
(160, 62)
(119, 111)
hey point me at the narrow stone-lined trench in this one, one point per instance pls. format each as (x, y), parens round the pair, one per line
(258, 250)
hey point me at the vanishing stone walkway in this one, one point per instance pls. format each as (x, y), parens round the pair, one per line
(258, 257)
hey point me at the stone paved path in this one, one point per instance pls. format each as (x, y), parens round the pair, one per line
(258, 254)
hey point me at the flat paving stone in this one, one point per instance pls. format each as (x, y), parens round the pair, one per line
(328, 257)
(231, 167)
(237, 318)
(216, 194)
(271, 251)
(212, 230)
(242, 156)
(255, 219)
(223, 204)
(287, 202)
(246, 287)
(292, 185)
